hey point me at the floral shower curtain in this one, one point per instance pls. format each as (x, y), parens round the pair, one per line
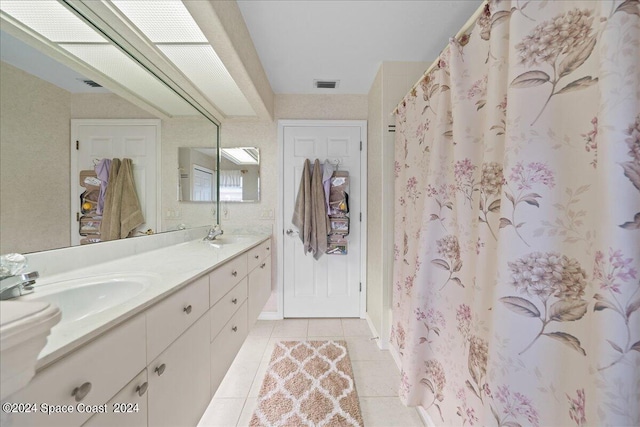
(517, 234)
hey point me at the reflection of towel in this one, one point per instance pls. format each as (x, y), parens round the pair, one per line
(302, 211)
(327, 172)
(102, 171)
(122, 212)
(319, 218)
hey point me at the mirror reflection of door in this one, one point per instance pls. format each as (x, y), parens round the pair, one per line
(203, 184)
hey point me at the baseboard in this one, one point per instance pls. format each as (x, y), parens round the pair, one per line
(269, 315)
(396, 357)
(426, 419)
(374, 331)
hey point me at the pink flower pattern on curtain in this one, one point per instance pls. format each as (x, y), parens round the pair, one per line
(517, 221)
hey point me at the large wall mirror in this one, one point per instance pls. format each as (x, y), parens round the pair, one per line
(39, 96)
(238, 175)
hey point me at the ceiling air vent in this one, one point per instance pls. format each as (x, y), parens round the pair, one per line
(326, 84)
(91, 83)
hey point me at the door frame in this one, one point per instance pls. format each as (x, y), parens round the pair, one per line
(73, 178)
(279, 234)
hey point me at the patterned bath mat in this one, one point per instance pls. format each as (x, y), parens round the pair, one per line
(308, 383)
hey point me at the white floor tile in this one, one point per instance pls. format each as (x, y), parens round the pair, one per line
(253, 348)
(254, 391)
(290, 328)
(363, 348)
(375, 378)
(388, 412)
(356, 328)
(222, 413)
(325, 327)
(238, 380)
(262, 328)
(247, 412)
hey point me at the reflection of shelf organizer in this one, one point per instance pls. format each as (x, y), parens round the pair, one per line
(89, 222)
(337, 243)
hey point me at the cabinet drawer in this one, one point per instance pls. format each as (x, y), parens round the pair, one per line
(226, 345)
(130, 404)
(225, 277)
(259, 289)
(179, 379)
(258, 254)
(96, 372)
(225, 308)
(173, 315)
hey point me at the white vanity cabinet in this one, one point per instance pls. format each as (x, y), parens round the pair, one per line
(89, 376)
(163, 364)
(259, 279)
(179, 379)
(128, 408)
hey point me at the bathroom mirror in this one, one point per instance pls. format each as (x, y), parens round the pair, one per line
(35, 146)
(239, 174)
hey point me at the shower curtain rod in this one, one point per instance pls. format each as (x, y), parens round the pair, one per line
(470, 22)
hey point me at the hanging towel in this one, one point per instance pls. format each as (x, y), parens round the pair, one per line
(102, 171)
(319, 219)
(122, 212)
(302, 211)
(327, 172)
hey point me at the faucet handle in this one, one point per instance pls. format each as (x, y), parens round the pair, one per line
(32, 275)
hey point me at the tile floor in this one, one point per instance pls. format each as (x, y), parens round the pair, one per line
(377, 378)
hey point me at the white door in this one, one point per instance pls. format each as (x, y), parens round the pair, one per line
(138, 140)
(202, 184)
(330, 286)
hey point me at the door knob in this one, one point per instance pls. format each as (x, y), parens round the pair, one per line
(290, 232)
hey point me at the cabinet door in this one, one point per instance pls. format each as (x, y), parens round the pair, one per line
(86, 377)
(127, 409)
(226, 345)
(179, 379)
(259, 289)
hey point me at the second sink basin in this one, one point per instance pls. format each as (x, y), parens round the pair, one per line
(81, 298)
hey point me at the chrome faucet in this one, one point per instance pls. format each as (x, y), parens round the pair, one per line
(19, 285)
(214, 232)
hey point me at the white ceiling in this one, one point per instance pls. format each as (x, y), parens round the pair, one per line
(300, 41)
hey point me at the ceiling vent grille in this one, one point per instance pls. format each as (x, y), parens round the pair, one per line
(91, 83)
(326, 84)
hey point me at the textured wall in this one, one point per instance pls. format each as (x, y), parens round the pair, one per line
(393, 81)
(34, 163)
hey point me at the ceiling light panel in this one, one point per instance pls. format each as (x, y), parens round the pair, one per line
(240, 156)
(162, 21)
(204, 68)
(51, 20)
(112, 62)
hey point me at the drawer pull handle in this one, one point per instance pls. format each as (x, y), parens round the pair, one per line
(256, 256)
(263, 265)
(268, 248)
(187, 309)
(235, 300)
(160, 369)
(142, 389)
(234, 273)
(81, 392)
(234, 329)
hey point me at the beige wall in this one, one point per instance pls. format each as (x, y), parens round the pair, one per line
(34, 163)
(393, 81)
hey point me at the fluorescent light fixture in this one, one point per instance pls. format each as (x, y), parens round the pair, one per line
(162, 21)
(112, 62)
(204, 68)
(51, 20)
(241, 156)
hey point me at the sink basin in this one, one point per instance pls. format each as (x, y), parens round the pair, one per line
(228, 240)
(81, 298)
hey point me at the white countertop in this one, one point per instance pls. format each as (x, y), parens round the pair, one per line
(172, 268)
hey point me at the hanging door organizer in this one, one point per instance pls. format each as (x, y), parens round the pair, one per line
(338, 214)
(88, 220)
